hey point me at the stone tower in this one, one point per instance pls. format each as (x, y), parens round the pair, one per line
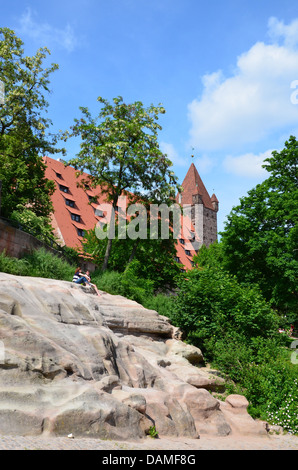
(202, 209)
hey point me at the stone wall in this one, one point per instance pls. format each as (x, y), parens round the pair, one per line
(209, 226)
(17, 243)
(205, 223)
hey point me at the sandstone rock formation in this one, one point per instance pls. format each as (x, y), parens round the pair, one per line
(102, 367)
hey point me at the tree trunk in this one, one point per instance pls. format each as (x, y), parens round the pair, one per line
(134, 250)
(107, 255)
(111, 236)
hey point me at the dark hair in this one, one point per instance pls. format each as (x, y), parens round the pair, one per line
(77, 270)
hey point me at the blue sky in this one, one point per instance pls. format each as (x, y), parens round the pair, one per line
(222, 69)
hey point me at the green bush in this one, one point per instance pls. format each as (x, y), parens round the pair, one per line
(108, 281)
(263, 372)
(271, 388)
(128, 283)
(19, 267)
(161, 303)
(39, 226)
(238, 333)
(44, 264)
(41, 263)
(213, 304)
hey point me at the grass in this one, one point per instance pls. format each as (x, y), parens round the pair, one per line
(40, 263)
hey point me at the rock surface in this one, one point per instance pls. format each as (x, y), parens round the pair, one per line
(105, 367)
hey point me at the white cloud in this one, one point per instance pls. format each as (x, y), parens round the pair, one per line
(278, 30)
(204, 164)
(45, 33)
(249, 164)
(253, 103)
(172, 154)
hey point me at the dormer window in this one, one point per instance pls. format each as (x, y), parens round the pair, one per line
(69, 203)
(81, 232)
(75, 217)
(59, 175)
(177, 259)
(187, 252)
(182, 241)
(62, 188)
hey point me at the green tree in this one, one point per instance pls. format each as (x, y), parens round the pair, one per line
(212, 305)
(23, 127)
(38, 225)
(261, 235)
(120, 151)
(155, 258)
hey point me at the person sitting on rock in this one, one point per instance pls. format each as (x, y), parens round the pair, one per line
(77, 275)
(81, 278)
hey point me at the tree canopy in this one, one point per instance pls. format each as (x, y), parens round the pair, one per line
(261, 235)
(121, 154)
(23, 127)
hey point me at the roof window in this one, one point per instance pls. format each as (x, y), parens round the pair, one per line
(75, 217)
(69, 203)
(63, 188)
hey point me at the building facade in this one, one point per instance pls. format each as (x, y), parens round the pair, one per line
(78, 209)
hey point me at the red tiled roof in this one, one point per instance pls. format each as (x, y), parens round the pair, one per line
(88, 220)
(62, 212)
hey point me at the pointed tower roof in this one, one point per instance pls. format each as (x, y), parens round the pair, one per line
(193, 184)
(214, 198)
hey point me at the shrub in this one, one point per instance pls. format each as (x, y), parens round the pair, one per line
(212, 304)
(40, 263)
(161, 303)
(44, 264)
(128, 283)
(19, 267)
(271, 388)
